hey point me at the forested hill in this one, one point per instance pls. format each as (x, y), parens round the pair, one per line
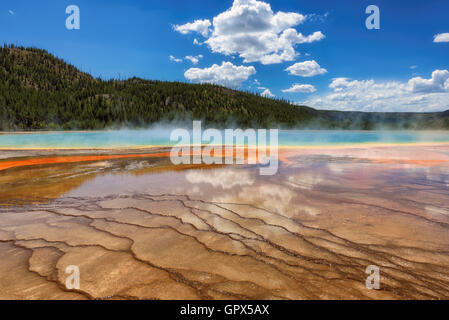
(40, 91)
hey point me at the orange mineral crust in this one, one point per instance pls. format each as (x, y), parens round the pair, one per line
(68, 159)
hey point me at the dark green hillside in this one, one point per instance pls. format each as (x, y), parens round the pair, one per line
(39, 91)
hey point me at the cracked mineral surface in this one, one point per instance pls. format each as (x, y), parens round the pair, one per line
(141, 228)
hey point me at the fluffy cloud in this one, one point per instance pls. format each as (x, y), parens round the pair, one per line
(441, 37)
(226, 74)
(267, 93)
(252, 30)
(417, 94)
(438, 83)
(300, 88)
(172, 58)
(318, 17)
(194, 59)
(306, 69)
(200, 26)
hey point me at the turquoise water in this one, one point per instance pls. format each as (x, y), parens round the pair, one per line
(161, 137)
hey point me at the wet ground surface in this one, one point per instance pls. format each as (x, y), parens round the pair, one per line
(144, 229)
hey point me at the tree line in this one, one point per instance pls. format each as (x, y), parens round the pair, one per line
(41, 92)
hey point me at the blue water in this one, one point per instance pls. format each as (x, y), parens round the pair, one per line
(161, 137)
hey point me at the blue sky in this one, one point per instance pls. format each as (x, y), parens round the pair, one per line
(318, 52)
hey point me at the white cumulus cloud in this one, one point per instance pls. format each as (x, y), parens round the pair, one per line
(416, 94)
(226, 74)
(306, 69)
(194, 59)
(441, 37)
(300, 88)
(267, 93)
(438, 83)
(253, 31)
(200, 26)
(172, 58)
